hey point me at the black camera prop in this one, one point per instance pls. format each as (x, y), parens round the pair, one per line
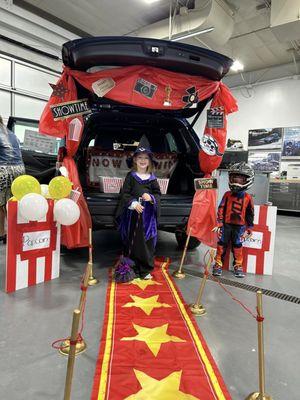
(145, 88)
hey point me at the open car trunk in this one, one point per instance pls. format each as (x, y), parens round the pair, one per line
(110, 138)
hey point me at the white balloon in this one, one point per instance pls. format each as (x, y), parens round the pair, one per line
(45, 190)
(33, 207)
(66, 212)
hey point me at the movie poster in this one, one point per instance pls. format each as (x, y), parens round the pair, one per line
(269, 138)
(291, 142)
(263, 161)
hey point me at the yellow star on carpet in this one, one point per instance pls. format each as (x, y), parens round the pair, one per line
(153, 337)
(143, 283)
(165, 389)
(147, 304)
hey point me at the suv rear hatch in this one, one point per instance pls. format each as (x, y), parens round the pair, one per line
(107, 142)
(82, 54)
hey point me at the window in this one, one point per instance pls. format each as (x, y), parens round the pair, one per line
(33, 80)
(5, 110)
(171, 142)
(27, 107)
(20, 127)
(30, 139)
(5, 72)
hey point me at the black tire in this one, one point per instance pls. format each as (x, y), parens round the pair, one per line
(181, 239)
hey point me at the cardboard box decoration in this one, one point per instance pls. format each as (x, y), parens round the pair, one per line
(33, 249)
(258, 251)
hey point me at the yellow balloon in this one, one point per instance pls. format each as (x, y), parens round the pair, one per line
(60, 187)
(25, 184)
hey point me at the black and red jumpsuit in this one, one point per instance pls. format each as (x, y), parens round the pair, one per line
(235, 216)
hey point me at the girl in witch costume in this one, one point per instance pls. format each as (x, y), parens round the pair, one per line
(137, 215)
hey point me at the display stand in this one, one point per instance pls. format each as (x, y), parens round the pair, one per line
(258, 251)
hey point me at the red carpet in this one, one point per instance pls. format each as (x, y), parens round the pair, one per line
(151, 347)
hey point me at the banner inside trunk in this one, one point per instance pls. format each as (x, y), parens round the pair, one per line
(113, 164)
(140, 86)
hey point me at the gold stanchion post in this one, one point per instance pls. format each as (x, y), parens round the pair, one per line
(261, 395)
(197, 308)
(179, 274)
(80, 345)
(92, 280)
(71, 360)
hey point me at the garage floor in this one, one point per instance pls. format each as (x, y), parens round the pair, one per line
(31, 319)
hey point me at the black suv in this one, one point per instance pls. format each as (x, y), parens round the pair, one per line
(113, 125)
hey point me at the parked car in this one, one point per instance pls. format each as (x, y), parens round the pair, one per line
(270, 138)
(112, 124)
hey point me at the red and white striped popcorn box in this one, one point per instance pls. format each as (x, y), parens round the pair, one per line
(110, 184)
(75, 127)
(33, 249)
(163, 184)
(74, 195)
(258, 250)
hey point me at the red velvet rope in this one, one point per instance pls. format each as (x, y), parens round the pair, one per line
(259, 318)
(79, 336)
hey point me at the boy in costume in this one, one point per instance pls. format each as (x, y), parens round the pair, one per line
(235, 218)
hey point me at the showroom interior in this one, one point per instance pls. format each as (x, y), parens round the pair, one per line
(226, 344)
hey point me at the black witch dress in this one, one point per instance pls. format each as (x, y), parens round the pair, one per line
(139, 231)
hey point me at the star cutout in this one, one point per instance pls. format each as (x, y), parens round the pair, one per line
(146, 304)
(144, 283)
(164, 389)
(59, 90)
(153, 337)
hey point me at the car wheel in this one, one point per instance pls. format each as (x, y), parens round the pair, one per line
(181, 237)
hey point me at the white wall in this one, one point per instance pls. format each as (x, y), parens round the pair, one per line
(268, 105)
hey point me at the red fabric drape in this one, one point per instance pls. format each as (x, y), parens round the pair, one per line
(222, 98)
(181, 91)
(203, 217)
(124, 91)
(76, 235)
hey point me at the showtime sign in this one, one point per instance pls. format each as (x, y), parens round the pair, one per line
(33, 249)
(258, 250)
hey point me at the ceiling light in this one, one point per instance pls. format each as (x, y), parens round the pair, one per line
(150, 1)
(191, 34)
(237, 66)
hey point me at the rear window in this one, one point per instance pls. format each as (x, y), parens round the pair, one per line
(128, 140)
(28, 134)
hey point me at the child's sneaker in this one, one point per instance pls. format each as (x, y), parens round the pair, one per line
(238, 272)
(217, 270)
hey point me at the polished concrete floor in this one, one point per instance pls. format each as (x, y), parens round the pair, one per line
(31, 319)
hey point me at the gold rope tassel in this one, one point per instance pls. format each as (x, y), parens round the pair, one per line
(92, 280)
(179, 274)
(71, 359)
(261, 395)
(197, 308)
